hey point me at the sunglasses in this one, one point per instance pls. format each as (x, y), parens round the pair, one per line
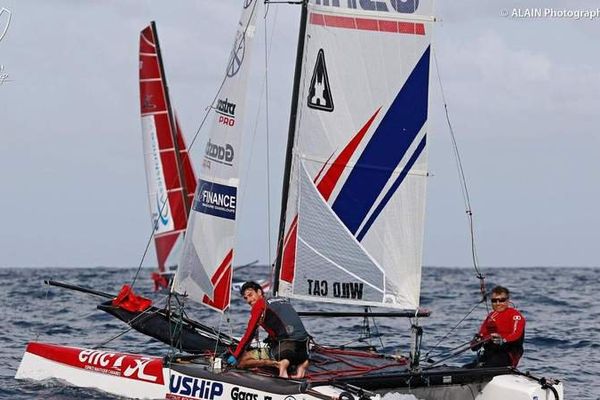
(500, 300)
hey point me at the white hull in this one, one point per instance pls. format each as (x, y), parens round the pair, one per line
(109, 378)
(144, 377)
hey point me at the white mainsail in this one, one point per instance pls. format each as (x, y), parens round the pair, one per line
(355, 208)
(205, 268)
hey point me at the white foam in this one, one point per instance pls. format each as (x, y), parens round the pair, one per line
(398, 396)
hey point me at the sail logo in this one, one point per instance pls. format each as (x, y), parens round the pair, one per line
(319, 93)
(162, 206)
(237, 55)
(400, 6)
(161, 220)
(147, 102)
(226, 111)
(341, 290)
(133, 367)
(247, 3)
(5, 17)
(215, 199)
(221, 154)
(195, 388)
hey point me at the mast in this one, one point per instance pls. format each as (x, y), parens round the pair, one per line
(172, 123)
(290, 143)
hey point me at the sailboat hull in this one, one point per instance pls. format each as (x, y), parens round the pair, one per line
(117, 373)
(147, 377)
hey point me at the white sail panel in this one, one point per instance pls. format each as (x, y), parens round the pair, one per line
(361, 133)
(205, 269)
(157, 186)
(331, 273)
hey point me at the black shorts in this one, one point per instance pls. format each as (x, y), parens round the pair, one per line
(296, 352)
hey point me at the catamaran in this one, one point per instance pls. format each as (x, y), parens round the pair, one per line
(351, 225)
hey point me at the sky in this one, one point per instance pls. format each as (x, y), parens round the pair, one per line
(523, 96)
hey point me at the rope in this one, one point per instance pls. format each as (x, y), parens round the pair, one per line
(463, 184)
(38, 332)
(130, 323)
(148, 242)
(467, 346)
(351, 368)
(545, 383)
(452, 330)
(219, 332)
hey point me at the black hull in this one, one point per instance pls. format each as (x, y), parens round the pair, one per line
(438, 383)
(435, 377)
(185, 335)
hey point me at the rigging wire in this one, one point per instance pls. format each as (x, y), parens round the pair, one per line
(426, 356)
(130, 323)
(463, 184)
(38, 332)
(267, 119)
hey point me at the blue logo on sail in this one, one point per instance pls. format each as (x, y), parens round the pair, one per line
(215, 199)
(163, 210)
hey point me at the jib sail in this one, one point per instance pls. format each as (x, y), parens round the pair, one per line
(205, 269)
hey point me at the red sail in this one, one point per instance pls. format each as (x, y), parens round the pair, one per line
(169, 173)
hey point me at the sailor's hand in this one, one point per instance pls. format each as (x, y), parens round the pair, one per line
(476, 342)
(231, 360)
(496, 338)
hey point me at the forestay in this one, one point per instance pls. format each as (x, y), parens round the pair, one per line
(169, 174)
(205, 269)
(355, 209)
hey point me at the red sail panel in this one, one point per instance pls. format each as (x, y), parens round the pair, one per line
(221, 281)
(169, 173)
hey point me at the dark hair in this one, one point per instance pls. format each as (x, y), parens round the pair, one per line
(501, 290)
(250, 285)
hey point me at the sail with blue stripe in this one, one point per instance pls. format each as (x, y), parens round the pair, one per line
(355, 209)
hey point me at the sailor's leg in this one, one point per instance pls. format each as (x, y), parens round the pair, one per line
(301, 370)
(283, 366)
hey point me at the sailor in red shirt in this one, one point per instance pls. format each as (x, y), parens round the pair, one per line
(502, 332)
(288, 339)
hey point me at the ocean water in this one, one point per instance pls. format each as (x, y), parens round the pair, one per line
(560, 305)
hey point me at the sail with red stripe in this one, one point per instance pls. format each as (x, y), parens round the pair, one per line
(352, 226)
(205, 269)
(170, 176)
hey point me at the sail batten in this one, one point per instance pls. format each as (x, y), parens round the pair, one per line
(205, 269)
(354, 211)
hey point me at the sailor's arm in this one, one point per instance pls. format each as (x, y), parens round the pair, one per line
(255, 315)
(518, 327)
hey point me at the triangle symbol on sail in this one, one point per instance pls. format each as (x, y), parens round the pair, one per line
(319, 93)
